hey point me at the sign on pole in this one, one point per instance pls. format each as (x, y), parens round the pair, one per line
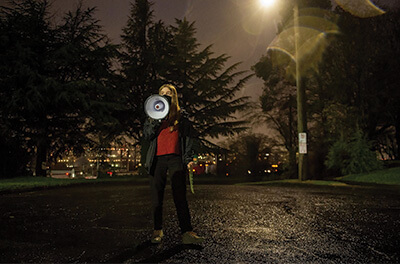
(303, 143)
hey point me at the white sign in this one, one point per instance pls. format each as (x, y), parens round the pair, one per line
(302, 143)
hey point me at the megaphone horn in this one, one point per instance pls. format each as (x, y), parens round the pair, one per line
(156, 106)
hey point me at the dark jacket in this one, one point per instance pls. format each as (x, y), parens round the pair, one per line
(186, 140)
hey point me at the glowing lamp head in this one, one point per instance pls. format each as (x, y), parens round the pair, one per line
(267, 3)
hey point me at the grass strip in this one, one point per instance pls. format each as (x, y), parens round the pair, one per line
(294, 181)
(387, 176)
(27, 183)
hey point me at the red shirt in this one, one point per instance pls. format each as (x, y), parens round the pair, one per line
(168, 141)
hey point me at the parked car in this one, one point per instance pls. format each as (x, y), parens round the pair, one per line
(63, 174)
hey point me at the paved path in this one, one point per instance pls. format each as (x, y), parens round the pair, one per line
(242, 224)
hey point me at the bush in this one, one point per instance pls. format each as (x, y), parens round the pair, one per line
(353, 156)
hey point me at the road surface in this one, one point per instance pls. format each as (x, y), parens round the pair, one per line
(242, 224)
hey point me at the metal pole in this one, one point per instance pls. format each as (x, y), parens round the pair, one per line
(301, 113)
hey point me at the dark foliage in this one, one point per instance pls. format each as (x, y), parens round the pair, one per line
(56, 80)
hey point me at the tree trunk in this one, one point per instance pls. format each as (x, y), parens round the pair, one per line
(41, 158)
(396, 146)
(292, 163)
(144, 145)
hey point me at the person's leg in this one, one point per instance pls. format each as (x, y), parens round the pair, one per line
(157, 183)
(178, 184)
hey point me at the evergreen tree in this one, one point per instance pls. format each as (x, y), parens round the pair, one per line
(55, 80)
(209, 90)
(144, 56)
(86, 60)
(153, 54)
(27, 40)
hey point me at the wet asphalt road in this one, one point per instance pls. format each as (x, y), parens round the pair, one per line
(242, 224)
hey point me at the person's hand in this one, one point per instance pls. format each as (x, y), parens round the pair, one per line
(190, 165)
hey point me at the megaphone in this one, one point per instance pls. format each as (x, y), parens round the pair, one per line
(157, 106)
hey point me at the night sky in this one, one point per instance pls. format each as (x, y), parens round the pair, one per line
(242, 29)
(239, 28)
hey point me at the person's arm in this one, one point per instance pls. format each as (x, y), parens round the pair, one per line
(150, 128)
(190, 139)
(189, 152)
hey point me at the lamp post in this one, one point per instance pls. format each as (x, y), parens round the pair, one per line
(301, 96)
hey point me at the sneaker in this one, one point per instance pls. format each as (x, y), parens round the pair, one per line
(191, 238)
(157, 237)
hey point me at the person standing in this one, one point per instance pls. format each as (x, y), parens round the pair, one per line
(170, 152)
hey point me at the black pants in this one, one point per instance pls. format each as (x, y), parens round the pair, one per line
(173, 165)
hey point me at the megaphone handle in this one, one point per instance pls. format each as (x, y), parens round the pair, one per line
(155, 121)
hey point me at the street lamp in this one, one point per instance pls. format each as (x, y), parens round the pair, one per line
(301, 113)
(267, 3)
(301, 102)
